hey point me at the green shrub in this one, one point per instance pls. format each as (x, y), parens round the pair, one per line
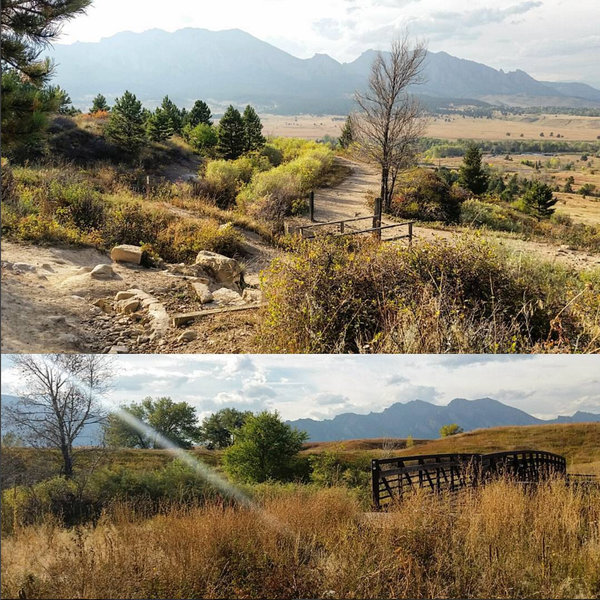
(181, 240)
(426, 196)
(349, 296)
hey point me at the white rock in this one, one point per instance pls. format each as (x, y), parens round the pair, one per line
(125, 295)
(119, 349)
(227, 297)
(127, 253)
(102, 272)
(202, 291)
(69, 339)
(223, 269)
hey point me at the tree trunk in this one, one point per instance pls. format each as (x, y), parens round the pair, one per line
(67, 461)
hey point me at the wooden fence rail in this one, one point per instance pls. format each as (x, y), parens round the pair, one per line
(392, 478)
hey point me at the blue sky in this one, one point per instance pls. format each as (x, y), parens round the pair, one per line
(321, 386)
(550, 39)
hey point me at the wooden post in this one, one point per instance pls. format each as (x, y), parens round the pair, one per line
(147, 185)
(375, 483)
(341, 226)
(311, 206)
(410, 233)
(377, 218)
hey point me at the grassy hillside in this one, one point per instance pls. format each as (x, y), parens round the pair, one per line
(579, 443)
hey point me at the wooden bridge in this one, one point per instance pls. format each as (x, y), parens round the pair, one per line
(392, 478)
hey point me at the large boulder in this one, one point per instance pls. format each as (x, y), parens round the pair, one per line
(127, 253)
(222, 269)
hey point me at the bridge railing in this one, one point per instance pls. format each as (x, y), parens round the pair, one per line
(392, 478)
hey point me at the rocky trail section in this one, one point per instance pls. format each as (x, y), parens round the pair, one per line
(80, 300)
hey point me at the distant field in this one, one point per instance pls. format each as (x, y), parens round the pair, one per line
(570, 128)
(580, 209)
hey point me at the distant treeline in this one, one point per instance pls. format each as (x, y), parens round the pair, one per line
(440, 148)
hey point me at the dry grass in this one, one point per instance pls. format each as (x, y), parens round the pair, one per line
(498, 542)
(579, 443)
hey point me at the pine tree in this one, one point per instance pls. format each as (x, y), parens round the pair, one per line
(25, 116)
(99, 104)
(200, 113)
(231, 134)
(173, 114)
(126, 124)
(345, 138)
(159, 126)
(540, 199)
(27, 29)
(471, 173)
(253, 137)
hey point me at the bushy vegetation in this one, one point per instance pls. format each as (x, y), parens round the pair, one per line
(425, 195)
(500, 541)
(98, 208)
(341, 296)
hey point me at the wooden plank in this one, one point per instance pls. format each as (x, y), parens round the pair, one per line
(179, 319)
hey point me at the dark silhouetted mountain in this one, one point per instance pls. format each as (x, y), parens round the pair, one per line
(423, 420)
(232, 66)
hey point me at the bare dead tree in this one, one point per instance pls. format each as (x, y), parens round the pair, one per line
(390, 121)
(62, 393)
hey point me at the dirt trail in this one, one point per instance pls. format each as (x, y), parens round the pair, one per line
(349, 199)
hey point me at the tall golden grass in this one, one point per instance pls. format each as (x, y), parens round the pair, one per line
(502, 541)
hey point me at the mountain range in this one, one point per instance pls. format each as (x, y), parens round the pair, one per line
(232, 66)
(423, 420)
(420, 419)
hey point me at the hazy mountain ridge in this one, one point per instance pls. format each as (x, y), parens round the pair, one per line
(423, 420)
(234, 66)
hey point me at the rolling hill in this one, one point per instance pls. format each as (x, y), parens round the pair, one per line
(423, 420)
(232, 66)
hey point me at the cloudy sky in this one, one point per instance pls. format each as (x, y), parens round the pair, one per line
(550, 39)
(323, 386)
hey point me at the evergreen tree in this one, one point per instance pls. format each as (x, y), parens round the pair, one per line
(200, 113)
(126, 124)
(25, 116)
(540, 199)
(231, 134)
(159, 126)
(253, 137)
(99, 104)
(471, 173)
(173, 114)
(28, 26)
(345, 138)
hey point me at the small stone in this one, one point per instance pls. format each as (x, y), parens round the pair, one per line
(252, 295)
(124, 295)
(187, 336)
(128, 306)
(23, 267)
(102, 304)
(227, 296)
(56, 319)
(202, 291)
(127, 253)
(47, 267)
(102, 272)
(119, 349)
